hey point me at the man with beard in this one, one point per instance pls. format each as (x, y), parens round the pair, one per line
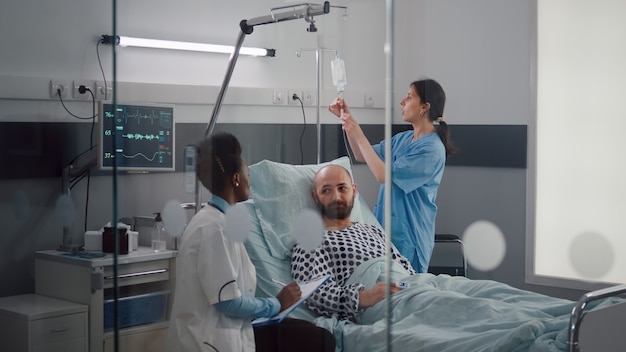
(345, 246)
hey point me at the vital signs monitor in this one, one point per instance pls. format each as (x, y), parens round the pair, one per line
(136, 137)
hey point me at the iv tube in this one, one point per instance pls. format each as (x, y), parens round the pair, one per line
(338, 69)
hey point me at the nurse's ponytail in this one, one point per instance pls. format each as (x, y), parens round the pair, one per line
(430, 91)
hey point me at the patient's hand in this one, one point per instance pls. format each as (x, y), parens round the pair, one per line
(368, 298)
(289, 295)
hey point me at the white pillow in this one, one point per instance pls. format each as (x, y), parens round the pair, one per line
(281, 191)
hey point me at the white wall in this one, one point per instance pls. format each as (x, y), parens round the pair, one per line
(480, 58)
(62, 45)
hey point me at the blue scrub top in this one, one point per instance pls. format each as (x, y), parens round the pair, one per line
(416, 172)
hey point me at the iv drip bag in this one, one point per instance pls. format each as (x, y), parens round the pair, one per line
(338, 70)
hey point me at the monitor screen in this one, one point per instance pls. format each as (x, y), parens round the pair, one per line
(136, 137)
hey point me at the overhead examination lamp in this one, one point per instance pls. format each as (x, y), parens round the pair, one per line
(285, 13)
(291, 12)
(125, 41)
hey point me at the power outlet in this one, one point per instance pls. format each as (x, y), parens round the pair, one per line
(308, 98)
(55, 86)
(103, 91)
(84, 95)
(290, 95)
(279, 97)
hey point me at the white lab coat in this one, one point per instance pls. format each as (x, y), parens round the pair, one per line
(209, 269)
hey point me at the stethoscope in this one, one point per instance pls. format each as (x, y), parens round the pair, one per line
(223, 211)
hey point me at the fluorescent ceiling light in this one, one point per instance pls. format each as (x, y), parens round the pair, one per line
(125, 41)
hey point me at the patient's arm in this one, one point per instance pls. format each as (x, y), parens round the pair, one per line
(368, 298)
(341, 252)
(331, 299)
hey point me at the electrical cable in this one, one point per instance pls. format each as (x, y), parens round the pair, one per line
(69, 112)
(93, 121)
(296, 97)
(93, 125)
(77, 179)
(74, 182)
(87, 173)
(101, 41)
(87, 198)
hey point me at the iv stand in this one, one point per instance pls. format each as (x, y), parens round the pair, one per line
(317, 83)
(308, 11)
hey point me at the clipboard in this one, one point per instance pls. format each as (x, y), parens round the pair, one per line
(307, 288)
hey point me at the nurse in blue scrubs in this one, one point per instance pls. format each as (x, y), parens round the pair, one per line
(417, 165)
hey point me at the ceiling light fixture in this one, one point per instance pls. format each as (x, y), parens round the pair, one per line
(125, 41)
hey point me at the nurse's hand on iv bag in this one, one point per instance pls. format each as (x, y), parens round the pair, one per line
(289, 295)
(337, 106)
(340, 109)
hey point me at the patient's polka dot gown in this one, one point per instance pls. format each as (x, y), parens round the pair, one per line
(340, 253)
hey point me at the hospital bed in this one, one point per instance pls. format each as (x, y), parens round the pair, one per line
(280, 191)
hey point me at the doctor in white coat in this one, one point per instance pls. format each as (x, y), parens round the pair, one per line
(214, 299)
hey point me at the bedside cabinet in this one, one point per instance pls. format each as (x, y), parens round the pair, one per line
(35, 323)
(145, 280)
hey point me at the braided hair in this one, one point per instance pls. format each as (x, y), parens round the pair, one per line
(218, 159)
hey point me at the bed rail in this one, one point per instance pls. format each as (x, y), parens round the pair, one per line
(579, 310)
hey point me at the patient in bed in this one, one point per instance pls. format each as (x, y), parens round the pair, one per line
(346, 245)
(435, 313)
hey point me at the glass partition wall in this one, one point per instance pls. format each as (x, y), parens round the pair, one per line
(95, 133)
(96, 138)
(258, 108)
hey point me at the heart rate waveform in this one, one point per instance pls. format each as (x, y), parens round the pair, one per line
(140, 137)
(125, 113)
(136, 137)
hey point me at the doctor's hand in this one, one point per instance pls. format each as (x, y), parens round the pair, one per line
(368, 298)
(289, 295)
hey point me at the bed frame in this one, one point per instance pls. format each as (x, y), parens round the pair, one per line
(600, 329)
(589, 330)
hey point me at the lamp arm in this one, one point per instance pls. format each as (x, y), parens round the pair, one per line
(229, 72)
(307, 12)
